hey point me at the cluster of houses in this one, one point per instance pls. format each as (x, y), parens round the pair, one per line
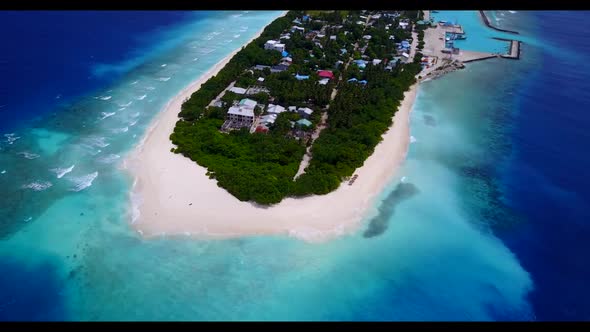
(273, 111)
(243, 115)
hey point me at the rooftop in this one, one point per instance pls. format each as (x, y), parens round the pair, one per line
(241, 111)
(248, 103)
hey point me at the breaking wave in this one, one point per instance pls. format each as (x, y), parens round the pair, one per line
(60, 172)
(106, 115)
(82, 182)
(108, 158)
(120, 130)
(97, 141)
(38, 186)
(11, 138)
(29, 155)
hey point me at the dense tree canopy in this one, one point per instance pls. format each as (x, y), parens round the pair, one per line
(260, 167)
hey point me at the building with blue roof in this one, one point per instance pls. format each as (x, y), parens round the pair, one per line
(304, 123)
(302, 77)
(285, 54)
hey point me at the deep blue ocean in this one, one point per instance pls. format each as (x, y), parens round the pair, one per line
(52, 57)
(547, 180)
(487, 220)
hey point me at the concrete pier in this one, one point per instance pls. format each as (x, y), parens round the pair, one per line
(471, 56)
(487, 23)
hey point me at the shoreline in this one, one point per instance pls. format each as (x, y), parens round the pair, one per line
(172, 195)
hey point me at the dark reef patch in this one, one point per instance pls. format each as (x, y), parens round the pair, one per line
(429, 120)
(378, 225)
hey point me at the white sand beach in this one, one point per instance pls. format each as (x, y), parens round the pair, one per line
(173, 196)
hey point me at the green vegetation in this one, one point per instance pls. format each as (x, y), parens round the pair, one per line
(357, 118)
(260, 167)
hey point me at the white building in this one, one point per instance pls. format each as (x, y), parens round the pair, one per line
(376, 61)
(237, 90)
(248, 103)
(324, 81)
(275, 109)
(404, 25)
(367, 37)
(305, 112)
(240, 116)
(274, 45)
(296, 28)
(268, 119)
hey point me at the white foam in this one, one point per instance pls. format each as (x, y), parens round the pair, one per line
(163, 79)
(132, 123)
(141, 97)
(105, 98)
(206, 50)
(512, 11)
(108, 158)
(135, 203)
(106, 115)
(120, 130)
(135, 115)
(29, 155)
(126, 105)
(3, 171)
(28, 219)
(97, 141)
(237, 35)
(151, 88)
(38, 186)
(195, 59)
(133, 83)
(403, 179)
(82, 182)
(236, 15)
(412, 139)
(11, 138)
(58, 96)
(163, 65)
(60, 172)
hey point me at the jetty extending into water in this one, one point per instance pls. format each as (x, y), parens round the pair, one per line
(485, 19)
(514, 49)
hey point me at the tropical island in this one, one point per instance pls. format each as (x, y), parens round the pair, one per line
(302, 106)
(297, 132)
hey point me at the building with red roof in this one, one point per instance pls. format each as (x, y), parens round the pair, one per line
(326, 74)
